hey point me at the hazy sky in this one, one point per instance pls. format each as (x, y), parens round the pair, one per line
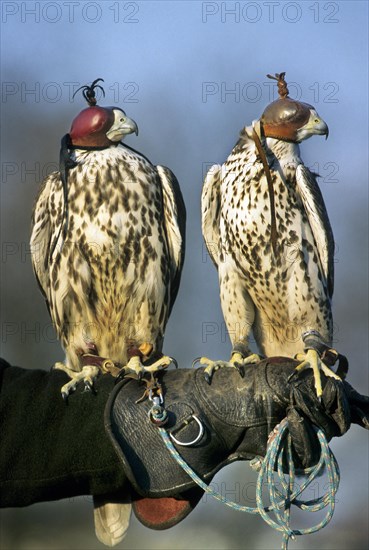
(191, 74)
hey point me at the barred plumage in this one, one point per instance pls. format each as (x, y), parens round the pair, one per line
(112, 283)
(277, 296)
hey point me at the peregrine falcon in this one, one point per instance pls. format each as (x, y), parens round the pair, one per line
(108, 234)
(267, 231)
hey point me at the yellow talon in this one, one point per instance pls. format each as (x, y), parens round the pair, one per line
(236, 358)
(160, 364)
(135, 366)
(311, 359)
(205, 361)
(253, 358)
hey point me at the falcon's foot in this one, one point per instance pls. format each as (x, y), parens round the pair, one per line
(135, 366)
(87, 375)
(212, 366)
(237, 361)
(311, 360)
(252, 358)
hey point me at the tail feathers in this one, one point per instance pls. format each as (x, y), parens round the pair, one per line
(111, 519)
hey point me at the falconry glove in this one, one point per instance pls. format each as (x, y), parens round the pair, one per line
(105, 443)
(237, 415)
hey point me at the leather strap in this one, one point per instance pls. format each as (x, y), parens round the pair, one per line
(256, 133)
(106, 365)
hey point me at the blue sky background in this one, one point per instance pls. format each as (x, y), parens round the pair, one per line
(191, 74)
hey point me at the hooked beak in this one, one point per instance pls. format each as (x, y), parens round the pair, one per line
(322, 129)
(130, 126)
(122, 127)
(314, 126)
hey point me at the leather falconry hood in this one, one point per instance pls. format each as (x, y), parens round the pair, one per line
(90, 126)
(283, 117)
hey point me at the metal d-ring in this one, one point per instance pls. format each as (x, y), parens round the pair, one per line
(197, 438)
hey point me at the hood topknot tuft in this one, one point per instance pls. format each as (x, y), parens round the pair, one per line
(90, 126)
(88, 92)
(282, 84)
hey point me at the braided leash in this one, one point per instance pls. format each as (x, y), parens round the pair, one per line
(281, 499)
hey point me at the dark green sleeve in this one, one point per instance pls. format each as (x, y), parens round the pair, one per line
(51, 449)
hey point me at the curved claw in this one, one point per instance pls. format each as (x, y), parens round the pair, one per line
(174, 361)
(207, 377)
(292, 376)
(67, 390)
(197, 360)
(240, 369)
(88, 386)
(124, 372)
(120, 376)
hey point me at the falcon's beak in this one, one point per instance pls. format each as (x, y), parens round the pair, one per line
(314, 126)
(320, 128)
(129, 126)
(122, 126)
